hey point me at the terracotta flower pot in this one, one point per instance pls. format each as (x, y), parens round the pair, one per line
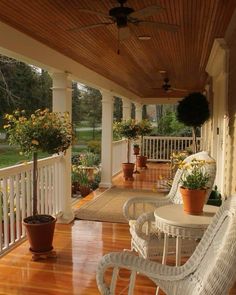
(136, 150)
(142, 162)
(40, 232)
(193, 200)
(128, 169)
(84, 190)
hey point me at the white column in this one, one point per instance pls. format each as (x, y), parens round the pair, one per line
(217, 68)
(126, 109)
(138, 112)
(62, 102)
(107, 137)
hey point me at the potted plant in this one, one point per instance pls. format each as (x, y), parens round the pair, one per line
(194, 186)
(84, 182)
(89, 162)
(145, 128)
(74, 180)
(136, 149)
(193, 111)
(127, 129)
(47, 132)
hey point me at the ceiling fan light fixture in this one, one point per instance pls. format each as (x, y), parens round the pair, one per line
(162, 72)
(144, 37)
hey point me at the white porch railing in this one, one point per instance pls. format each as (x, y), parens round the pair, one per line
(118, 155)
(16, 196)
(159, 148)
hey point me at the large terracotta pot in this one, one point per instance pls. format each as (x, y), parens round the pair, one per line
(40, 235)
(142, 162)
(128, 169)
(193, 200)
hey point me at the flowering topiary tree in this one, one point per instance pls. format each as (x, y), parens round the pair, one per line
(127, 129)
(145, 128)
(42, 131)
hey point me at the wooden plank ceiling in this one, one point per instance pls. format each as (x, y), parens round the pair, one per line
(183, 54)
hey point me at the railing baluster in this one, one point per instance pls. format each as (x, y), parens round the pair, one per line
(28, 193)
(50, 189)
(17, 207)
(46, 189)
(23, 203)
(5, 213)
(11, 210)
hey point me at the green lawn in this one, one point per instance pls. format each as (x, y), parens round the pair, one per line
(10, 156)
(83, 136)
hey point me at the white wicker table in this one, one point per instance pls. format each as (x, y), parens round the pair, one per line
(173, 221)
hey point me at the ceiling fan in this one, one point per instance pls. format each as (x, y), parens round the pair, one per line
(123, 16)
(166, 86)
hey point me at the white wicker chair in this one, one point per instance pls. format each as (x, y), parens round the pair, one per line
(209, 271)
(145, 239)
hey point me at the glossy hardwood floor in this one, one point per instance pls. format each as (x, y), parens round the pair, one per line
(79, 245)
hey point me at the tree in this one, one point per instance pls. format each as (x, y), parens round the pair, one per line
(193, 111)
(117, 109)
(144, 112)
(23, 86)
(92, 99)
(77, 111)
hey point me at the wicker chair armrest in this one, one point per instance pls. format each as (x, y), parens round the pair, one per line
(155, 271)
(140, 222)
(130, 207)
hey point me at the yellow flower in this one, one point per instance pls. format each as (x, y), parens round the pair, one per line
(6, 126)
(34, 141)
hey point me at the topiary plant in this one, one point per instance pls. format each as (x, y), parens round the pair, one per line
(193, 111)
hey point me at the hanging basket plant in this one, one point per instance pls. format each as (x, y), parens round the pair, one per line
(193, 111)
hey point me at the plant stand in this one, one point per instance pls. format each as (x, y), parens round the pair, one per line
(136, 166)
(43, 255)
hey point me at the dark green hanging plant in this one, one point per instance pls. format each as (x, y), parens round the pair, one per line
(193, 111)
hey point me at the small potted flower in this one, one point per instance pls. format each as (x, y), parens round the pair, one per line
(127, 129)
(47, 132)
(145, 128)
(136, 149)
(194, 186)
(84, 182)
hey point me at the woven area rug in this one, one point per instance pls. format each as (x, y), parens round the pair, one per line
(109, 205)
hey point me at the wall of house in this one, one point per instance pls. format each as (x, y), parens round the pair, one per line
(231, 146)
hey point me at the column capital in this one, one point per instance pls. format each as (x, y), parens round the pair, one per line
(61, 81)
(106, 94)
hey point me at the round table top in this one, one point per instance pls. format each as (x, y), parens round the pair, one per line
(175, 215)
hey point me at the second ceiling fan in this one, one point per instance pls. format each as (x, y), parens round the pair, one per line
(123, 16)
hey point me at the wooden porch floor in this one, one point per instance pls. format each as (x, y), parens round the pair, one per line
(79, 245)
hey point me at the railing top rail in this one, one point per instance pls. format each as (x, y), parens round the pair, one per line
(27, 166)
(170, 137)
(119, 141)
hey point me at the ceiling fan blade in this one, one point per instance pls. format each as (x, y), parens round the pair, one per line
(124, 33)
(147, 11)
(162, 26)
(89, 27)
(103, 14)
(179, 89)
